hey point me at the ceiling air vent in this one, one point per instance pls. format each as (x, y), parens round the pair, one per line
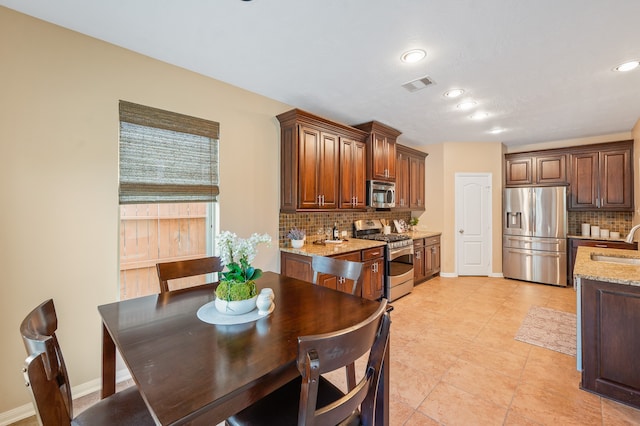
(418, 84)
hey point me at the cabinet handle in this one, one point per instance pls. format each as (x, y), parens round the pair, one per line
(602, 245)
(417, 255)
(323, 200)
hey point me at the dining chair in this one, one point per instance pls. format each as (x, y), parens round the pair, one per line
(345, 269)
(46, 377)
(186, 268)
(339, 268)
(313, 400)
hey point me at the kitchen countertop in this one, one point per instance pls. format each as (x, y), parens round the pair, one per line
(352, 244)
(588, 237)
(618, 273)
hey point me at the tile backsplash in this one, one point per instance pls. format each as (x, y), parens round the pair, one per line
(313, 221)
(613, 221)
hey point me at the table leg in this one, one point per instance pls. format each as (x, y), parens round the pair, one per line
(108, 364)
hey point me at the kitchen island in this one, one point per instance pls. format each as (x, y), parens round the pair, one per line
(608, 317)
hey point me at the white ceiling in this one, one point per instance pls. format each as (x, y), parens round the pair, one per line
(542, 69)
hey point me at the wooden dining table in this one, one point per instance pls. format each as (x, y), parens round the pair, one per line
(192, 372)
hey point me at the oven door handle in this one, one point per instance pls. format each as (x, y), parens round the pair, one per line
(400, 251)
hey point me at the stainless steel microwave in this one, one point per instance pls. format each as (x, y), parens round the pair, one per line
(381, 194)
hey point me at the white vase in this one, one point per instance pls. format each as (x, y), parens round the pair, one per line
(236, 307)
(297, 243)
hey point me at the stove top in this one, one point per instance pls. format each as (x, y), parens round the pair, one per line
(371, 229)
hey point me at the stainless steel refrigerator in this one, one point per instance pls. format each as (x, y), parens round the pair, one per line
(534, 234)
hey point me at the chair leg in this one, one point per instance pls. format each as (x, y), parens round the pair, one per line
(351, 376)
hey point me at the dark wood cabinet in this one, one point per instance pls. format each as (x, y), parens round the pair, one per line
(426, 258)
(611, 340)
(312, 170)
(410, 167)
(536, 168)
(373, 273)
(381, 150)
(299, 266)
(602, 177)
(574, 243)
(353, 172)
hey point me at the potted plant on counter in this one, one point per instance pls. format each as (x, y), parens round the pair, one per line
(297, 237)
(236, 294)
(414, 223)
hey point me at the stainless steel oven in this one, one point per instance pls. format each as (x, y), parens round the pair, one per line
(398, 257)
(399, 279)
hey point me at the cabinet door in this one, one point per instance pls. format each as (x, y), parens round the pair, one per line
(610, 340)
(353, 174)
(518, 171)
(419, 272)
(308, 161)
(616, 180)
(435, 258)
(380, 161)
(328, 170)
(584, 181)
(340, 283)
(416, 183)
(373, 279)
(402, 181)
(551, 169)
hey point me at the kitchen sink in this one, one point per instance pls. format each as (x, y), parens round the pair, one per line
(615, 259)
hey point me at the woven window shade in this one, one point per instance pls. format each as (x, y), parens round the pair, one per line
(166, 157)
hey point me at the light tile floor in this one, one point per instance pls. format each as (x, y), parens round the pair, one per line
(454, 360)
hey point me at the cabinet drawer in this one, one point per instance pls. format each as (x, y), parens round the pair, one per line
(354, 256)
(431, 240)
(372, 253)
(419, 242)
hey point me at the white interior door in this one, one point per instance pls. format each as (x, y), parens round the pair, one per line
(473, 223)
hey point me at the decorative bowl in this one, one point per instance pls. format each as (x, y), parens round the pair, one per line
(236, 307)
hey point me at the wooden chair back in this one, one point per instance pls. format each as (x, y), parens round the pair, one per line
(339, 268)
(327, 352)
(45, 370)
(186, 268)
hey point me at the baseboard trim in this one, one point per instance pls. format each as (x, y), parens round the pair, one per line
(496, 275)
(27, 410)
(448, 275)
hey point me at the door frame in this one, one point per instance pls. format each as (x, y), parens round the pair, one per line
(489, 197)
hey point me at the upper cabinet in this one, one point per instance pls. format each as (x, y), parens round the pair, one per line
(381, 150)
(536, 168)
(322, 163)
(599, 176)
(602, 177)
(353, 174)
(410, 167)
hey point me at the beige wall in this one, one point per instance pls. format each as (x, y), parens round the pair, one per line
(635, 135)
(59, 173)
(443, 162)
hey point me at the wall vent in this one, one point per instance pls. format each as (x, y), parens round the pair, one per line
(418, 84)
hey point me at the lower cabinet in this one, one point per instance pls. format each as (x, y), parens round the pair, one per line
(299, 266)
(611, 340)
(574, 243)
(426, 258)
(373, 273)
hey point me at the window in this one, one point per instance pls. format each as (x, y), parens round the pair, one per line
(168, 188)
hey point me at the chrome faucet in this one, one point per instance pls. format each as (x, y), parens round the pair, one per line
(629, 238)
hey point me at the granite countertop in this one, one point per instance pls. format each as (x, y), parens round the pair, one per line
(620, 273)
(588, 237)
(349, 245)
(420, 233)
(329, 249)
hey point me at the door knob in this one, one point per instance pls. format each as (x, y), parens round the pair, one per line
(461, 231)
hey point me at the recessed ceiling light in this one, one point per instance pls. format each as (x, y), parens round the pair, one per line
(627, 66)
(467, 105)
(479, 116)
(414, 55)
(453, 93)
(497, 130)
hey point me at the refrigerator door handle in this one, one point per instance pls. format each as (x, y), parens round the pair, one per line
(533, 212)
